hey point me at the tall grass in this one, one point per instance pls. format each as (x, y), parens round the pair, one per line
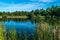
(44, 31)
(48, 31)
(2, 32)
(12, 34)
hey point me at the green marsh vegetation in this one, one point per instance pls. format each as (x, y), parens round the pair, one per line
(48, 28)
(47, 24)
(2, 32)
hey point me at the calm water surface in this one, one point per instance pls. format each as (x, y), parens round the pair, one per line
(20, 26)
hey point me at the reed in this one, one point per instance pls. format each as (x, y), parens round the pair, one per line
(2, 32)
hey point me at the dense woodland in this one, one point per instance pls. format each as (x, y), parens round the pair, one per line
(53, 11)
(47, 25)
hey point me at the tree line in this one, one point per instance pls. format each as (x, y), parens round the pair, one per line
(52, 11)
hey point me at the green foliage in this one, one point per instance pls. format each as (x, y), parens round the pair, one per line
(12, 34)
(25, 35)
(47, 24)
(2, 32)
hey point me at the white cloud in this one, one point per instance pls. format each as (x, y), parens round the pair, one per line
(25, 6)
(20, 7)
(48, 0)
(44, 0)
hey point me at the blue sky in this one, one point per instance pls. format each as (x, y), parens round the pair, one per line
(26, 5)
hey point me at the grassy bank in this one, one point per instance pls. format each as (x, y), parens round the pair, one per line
(14, 17)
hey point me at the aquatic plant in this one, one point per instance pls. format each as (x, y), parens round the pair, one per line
(2, 32)
(25, 35)
(12, 34)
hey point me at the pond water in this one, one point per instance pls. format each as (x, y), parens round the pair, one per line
(20, 26)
